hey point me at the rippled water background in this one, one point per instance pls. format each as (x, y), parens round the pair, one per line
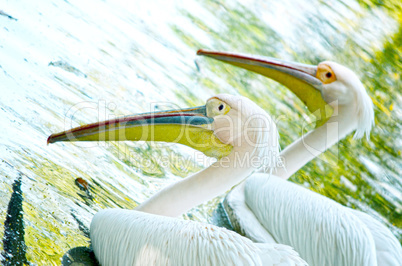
(66, 63)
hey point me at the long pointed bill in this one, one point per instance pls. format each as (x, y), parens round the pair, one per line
(190, 127)
(299, 78)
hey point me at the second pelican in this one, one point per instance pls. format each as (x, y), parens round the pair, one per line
(269, 209)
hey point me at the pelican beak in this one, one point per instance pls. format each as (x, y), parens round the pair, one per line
(299, 78)
(191, 127)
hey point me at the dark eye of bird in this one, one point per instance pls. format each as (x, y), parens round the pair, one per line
(220, 107)
(328, 75)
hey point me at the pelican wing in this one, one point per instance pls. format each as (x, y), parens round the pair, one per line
(127, 237)
(321, 230)
(388, 249)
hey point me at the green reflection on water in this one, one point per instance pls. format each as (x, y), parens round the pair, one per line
(52, 229)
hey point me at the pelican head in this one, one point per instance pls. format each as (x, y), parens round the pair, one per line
(223, 124)
(341, 88)
(324, 88)
(246, 127)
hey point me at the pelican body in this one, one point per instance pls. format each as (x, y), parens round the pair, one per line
(230, 128)
(268, 209)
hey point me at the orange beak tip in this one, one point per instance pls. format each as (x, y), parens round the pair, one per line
(200, 52)
(49, 140)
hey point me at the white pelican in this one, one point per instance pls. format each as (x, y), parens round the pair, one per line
(272, 210)
(231, 128)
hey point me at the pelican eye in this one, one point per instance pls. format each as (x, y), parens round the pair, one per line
(325, 73)
(217, 107)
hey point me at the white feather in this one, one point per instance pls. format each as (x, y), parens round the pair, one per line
(137, 238)
(321, 230)
(388, 249)
(243, 219)
(365, 113)
(351, 92)
(257, 129)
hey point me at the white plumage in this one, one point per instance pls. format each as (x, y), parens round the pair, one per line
(388, 249)
(138, 238)
(320, 229)
(273, 210)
